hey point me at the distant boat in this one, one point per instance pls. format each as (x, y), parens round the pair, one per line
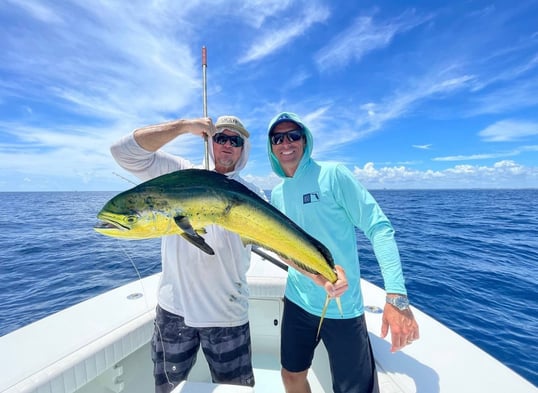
(102, 345)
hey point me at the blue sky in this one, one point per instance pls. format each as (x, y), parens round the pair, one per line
(407, 94)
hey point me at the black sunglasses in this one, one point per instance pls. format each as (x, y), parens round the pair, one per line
(235, 140)
(293, 136)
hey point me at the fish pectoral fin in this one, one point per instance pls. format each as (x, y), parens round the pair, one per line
(199, 242)
(191, 236)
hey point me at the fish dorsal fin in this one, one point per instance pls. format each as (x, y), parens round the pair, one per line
(191, 236)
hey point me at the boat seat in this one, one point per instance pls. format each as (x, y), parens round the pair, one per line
(207, 387)
(266, 287)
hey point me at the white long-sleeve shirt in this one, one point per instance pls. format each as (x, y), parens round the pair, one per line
(207, 290)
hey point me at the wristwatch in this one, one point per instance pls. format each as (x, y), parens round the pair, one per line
(401, 302)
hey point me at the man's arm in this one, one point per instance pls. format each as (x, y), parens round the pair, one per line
(152, 138)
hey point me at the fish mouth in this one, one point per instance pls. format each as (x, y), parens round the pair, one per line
(107, 223)
(104, 225)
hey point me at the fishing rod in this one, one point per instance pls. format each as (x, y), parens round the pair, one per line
(269, 258)
(255, 249)
(204, 78)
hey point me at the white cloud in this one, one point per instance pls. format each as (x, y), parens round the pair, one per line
(515, 95)
(473, 157)
(362, 37)
(509, 130)
(119, 60)
(38, 11)
(280, 36)
(507, 74)
(255, 12)
(426, 87)
(503, 174)
(264, 182)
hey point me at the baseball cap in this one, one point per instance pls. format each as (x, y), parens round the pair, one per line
(285, 117)
(231, 123)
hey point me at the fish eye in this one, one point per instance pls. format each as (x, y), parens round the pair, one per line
(131, 219)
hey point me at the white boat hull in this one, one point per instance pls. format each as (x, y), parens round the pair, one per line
(102, 346)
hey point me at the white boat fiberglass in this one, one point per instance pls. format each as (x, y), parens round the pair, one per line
(102, 345)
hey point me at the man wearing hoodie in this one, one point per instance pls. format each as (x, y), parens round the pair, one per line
(329, 203)
(202, 299)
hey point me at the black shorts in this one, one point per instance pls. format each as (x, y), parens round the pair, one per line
(348, 346)
(174, 348)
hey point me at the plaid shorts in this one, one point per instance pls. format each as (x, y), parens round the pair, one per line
(174, 348)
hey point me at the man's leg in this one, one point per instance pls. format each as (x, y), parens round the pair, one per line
(297, 345)
(295, 382)
(228, 353)
(350, 355)
(173, 350)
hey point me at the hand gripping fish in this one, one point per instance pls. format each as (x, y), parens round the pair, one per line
(186, 201)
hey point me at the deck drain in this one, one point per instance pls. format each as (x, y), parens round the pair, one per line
(373, 309)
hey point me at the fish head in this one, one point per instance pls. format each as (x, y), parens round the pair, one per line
(136, 215)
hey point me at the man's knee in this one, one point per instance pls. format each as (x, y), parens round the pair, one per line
(295, 381)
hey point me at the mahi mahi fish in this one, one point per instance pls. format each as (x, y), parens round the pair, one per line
(186, 201)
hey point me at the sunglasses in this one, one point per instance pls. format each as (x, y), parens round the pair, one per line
(292, 136)
(235, 140)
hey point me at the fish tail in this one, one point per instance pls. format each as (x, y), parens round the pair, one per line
(324, 311)
(339, 304)
(327, 300)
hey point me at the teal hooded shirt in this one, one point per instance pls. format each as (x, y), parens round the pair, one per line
(328, 202)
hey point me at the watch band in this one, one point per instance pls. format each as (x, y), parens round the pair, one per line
(401, 302)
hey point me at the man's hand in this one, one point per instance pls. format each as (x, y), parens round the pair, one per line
(202, 126)
(403, 327)
(335, 289)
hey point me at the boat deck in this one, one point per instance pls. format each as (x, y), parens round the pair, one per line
(102, 346)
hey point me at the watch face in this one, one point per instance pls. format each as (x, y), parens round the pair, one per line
(400, 302)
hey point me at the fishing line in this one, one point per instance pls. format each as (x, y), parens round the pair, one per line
(157, 327)
(124, 178)
(127, 254)
(136, 270)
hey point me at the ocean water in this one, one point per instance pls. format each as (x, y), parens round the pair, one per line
(470, 260)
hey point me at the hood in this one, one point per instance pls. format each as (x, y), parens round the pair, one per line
(242, 160)
(282, 117)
